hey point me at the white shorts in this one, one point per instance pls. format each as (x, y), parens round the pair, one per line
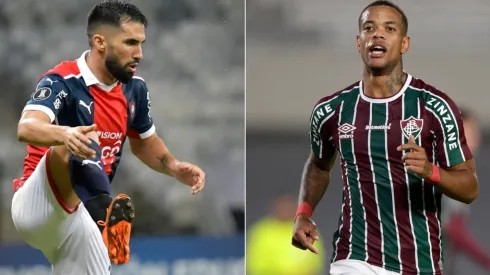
(355, 267)
(69, 239)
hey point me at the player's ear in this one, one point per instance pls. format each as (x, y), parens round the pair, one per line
(99, 42)
(358, 43)
(405, 44)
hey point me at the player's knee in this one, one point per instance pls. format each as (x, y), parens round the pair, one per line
(94, 145)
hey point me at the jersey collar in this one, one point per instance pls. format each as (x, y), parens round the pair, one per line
(388, 99)
(88, 76)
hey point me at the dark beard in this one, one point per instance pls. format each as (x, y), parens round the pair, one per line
(118, 72)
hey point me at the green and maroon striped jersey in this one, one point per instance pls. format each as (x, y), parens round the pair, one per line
(390, 217)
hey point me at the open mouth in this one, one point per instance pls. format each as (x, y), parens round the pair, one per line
(133, 67)
(377, 51)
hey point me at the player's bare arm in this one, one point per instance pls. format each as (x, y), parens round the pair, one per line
(153, 152)
(458, 182)
(316, 178)
(35, 128)
(314, 183)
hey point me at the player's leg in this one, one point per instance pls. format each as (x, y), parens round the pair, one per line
(113, 215)
(84, 252)
(54, 223)
(38, 212)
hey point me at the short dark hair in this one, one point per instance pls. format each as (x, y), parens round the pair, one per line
(390, 4)
(113, 13)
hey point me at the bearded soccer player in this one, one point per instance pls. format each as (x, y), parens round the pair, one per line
(401, 144)
(75, 125)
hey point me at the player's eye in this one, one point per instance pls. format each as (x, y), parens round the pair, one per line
(368, 28)
(131, 42)
(390, 29)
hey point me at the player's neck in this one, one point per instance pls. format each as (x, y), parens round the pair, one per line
(384, 85)
(96, 65)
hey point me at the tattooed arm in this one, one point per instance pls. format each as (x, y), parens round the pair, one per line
(316, 177)
(153, 152)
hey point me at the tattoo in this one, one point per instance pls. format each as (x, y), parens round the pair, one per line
(396, 79)
(382, 84)
(314, 183)
(163, 160)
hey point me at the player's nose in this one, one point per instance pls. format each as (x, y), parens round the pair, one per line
(138, 55)
(378, 34)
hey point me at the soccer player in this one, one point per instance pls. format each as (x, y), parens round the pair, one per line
(458, 237)
(75, 125)
(401, 144)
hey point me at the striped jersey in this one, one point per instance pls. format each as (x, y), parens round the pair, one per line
(390, 218)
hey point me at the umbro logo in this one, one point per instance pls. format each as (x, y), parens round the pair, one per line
(346, 130)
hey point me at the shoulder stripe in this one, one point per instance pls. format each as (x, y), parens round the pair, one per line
(442, 110)
(322, 104)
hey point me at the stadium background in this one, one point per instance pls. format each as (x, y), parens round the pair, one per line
(300, 51)
(194, 68)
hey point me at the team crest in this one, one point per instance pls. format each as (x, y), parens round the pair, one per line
(412, 127)
(132, 109)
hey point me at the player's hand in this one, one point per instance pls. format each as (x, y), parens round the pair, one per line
(76, 141)
(191, 175)
(416, 159)
(305, 233)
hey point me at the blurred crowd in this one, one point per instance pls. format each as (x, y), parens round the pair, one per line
(194, 68)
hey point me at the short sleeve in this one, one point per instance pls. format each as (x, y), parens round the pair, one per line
(320, 128)
(50, 96)
(142, 124)
(450, 140)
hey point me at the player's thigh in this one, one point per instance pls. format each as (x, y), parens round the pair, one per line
(353, 267)
(84, 252)
(37, 215)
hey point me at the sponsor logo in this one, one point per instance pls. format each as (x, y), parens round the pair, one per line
(449, 126)
(346, 131)
(96, 163)
(83, 104)
(412, 127)
(149, 103)
(319, 115)
(109, 135)
(109, 152)
(132, 109)
(51, 81)
(57, 103)
(378, 127)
